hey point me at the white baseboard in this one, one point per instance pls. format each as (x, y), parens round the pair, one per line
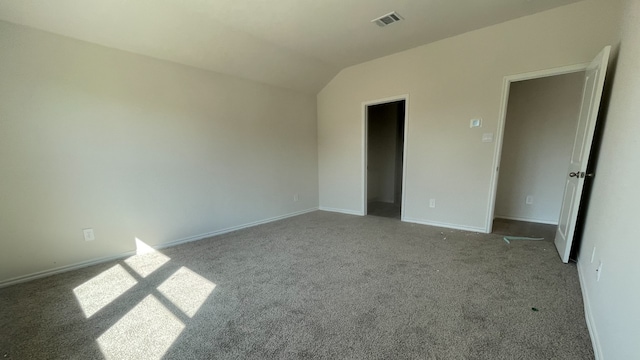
(230, 229)
(516, 218)
(61, 269)
(445, 225)
(591, 325)
(342, 211)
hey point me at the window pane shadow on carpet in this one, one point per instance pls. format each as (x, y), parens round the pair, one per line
(319, 285)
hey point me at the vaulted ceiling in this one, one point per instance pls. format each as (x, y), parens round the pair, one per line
(296, 44)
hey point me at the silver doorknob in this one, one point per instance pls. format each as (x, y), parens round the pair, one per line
(579, 174)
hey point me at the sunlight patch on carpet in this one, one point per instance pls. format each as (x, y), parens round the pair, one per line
(103, 289)
(187, 290)
(145, 332)
(147, 259)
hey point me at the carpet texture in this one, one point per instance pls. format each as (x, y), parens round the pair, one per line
(319, 285)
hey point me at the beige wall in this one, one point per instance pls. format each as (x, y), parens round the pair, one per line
(136, 147)
(381, 158)
(539, 132)
(612, 218)
(449, 82)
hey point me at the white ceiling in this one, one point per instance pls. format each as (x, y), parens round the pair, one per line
(297, 44)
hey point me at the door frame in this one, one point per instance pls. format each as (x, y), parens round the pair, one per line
(504, 102)
(364, 149)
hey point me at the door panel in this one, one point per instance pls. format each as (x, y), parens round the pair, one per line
(567, 207)
(591, 96)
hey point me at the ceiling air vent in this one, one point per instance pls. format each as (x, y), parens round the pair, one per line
(387, 19)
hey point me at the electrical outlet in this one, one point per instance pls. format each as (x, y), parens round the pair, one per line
(593, 254)
(432, 203)
(599, 271)
(296, 197)
(88, 234)
(529, 200)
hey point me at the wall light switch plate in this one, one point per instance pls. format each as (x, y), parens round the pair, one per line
(88, 234)
(475, 123)
(487, 137)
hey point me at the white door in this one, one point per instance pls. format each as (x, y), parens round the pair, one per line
(591, 95)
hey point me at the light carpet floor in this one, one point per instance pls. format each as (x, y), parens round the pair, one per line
(319, 285)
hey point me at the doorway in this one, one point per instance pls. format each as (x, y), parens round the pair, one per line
(580, 168)
(384, 158)
(539, 132)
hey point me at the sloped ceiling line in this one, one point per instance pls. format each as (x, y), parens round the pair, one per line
(295, 44)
